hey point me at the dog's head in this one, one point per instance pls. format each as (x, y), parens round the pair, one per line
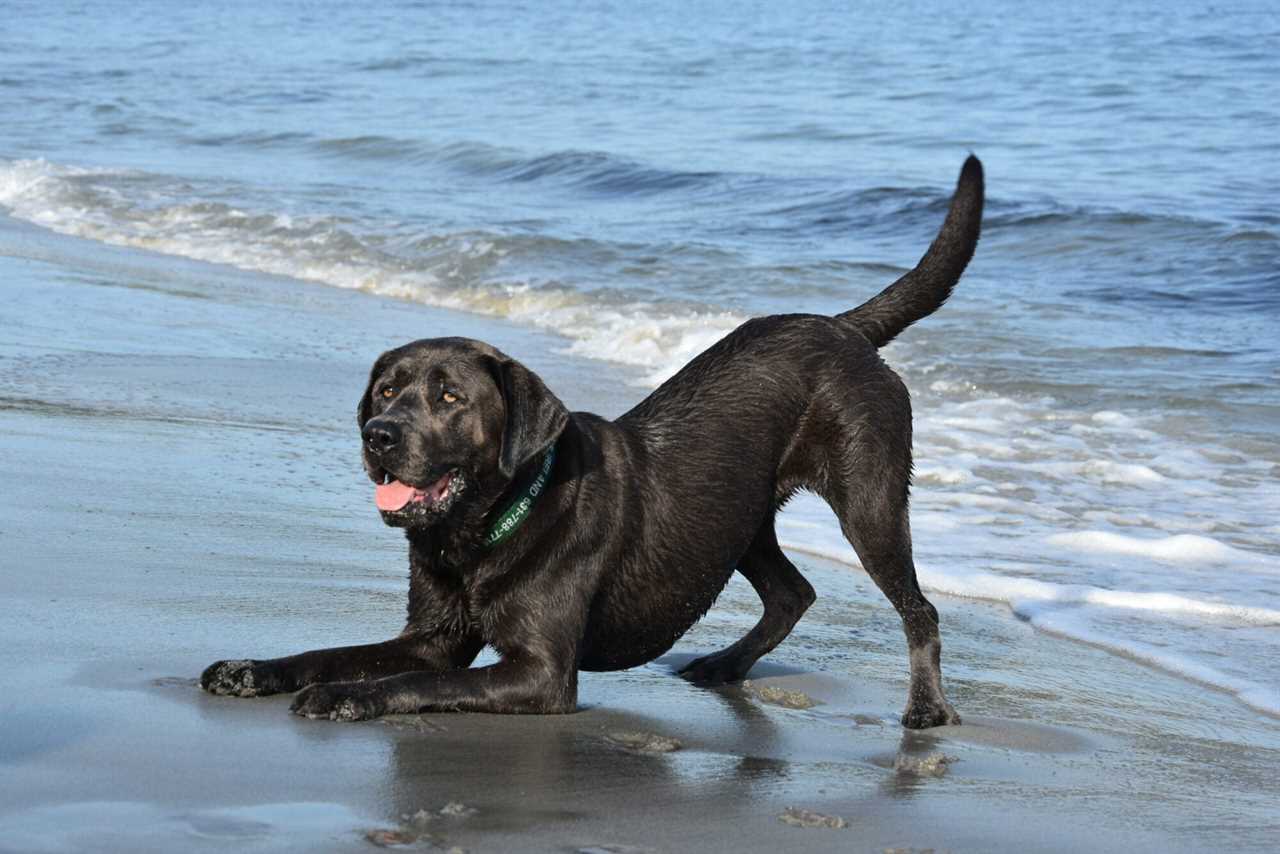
(446, 421)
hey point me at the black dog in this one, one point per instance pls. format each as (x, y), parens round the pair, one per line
(568, 542)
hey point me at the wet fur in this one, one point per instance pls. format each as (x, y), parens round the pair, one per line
(645, 518)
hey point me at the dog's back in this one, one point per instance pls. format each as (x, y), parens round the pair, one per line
(783, 403)
(781, 356)
(765, 408)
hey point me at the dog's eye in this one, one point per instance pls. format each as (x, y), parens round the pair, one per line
(389, 392)
(449, 397)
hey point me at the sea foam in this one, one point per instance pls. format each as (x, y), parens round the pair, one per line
(1179, 547)
(457, 270)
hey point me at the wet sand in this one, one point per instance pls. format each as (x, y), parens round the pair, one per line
(181, 479)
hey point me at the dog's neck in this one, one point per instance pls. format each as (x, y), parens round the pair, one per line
(458, 542)
(450, 547)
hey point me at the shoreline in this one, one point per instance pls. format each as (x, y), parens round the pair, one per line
(185, 486)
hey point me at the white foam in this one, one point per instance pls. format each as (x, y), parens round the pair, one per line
(1070, 610)
(1024, 594)
(1109, 471)
(1179, 547)
(84, 203)
(1076, 626)
(1112, 419)
(949, 475)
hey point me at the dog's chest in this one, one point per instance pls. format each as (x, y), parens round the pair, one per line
(443, 598)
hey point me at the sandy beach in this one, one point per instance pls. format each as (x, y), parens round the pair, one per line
(182, 484)
(213, 218)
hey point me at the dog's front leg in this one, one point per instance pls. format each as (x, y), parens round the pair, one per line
(410, 652)
(516, 685)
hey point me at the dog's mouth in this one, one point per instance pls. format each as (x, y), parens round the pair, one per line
(395, 497)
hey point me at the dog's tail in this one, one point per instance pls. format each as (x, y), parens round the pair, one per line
(923, 290)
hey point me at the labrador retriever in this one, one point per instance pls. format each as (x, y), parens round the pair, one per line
(568, 542)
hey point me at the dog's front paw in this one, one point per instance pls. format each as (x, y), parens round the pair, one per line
(922, 715)
(242, 678)
(340, 701)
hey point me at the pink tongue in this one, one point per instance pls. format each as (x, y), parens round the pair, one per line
(392, 496)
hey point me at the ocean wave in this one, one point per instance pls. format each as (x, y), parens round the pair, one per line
(399, 63)
(376, 147)
(1080, 612)
(1139, 229)
(250, 139)
(431, 65)
(1122, 257)
(457, 270)
(592, 171)
(589, 171)
(604, 173)
(1094, 525)
(823, 209)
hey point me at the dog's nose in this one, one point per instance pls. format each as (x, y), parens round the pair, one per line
(380, 437)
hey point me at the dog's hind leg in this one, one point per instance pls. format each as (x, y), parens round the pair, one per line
(875, 522)
(786, 596)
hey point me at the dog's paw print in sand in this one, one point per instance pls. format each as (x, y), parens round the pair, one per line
(385, 837)
(644, 742)
(933, 765)
(416, 723)
(175, 682)
(780, 696)
(423, 827)
(799, 817)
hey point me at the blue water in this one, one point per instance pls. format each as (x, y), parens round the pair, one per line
(1098, 406)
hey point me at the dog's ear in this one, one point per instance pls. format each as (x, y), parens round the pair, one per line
(535, 416)
(364, 410)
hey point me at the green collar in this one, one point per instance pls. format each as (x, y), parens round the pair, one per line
(518, 510)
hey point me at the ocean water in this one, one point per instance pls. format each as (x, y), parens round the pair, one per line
(1097, 407)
